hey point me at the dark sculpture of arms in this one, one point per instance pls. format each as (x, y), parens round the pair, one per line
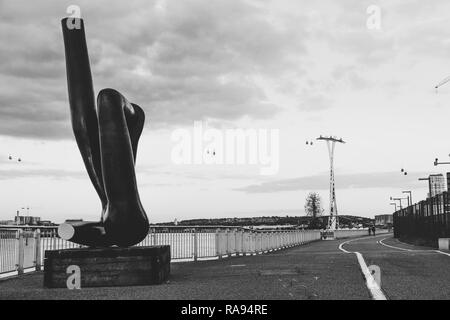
(107, 139)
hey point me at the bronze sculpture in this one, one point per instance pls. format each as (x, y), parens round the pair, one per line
(107, 139)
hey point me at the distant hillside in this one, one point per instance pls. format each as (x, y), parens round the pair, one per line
(345, 221)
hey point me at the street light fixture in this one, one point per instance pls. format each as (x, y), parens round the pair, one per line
(400, 200)
(410, 202)
(395, 205)
(429, 184)
(436, 162)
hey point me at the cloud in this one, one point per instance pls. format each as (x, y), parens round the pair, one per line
(181, 61)
(47, 173)
(207, 60)
(343, 181)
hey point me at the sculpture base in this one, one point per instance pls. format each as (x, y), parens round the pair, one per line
(107, 267)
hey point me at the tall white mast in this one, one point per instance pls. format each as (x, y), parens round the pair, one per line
(333, 221)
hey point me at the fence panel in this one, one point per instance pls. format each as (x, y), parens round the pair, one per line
(424, 222)
(26, 249)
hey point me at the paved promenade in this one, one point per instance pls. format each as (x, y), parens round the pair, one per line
(320, 270)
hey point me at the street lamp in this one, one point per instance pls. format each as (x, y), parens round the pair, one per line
(395, 205)
(436, 162)
(410, 202)
(429, 183)
(400, 200)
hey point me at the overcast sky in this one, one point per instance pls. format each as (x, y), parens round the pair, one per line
(305, 68)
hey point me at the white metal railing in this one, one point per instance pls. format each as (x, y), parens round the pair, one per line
(20, 249)
(349, 233)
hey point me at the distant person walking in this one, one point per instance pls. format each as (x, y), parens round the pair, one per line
(373, 230)
(370, 230)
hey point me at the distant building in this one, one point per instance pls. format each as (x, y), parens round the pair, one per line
(27, 220)
(437, 184)
(384, 220)
(73, 220)
(46, 223)
(448, 181)
(7, 222)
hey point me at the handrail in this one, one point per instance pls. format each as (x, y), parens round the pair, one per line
(21, 249)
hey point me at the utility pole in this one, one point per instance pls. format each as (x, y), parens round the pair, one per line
(333, 221)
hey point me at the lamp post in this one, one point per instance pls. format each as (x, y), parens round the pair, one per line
(429, 185)
(410, 202)
(436, 162)
(395, 205)
(400, 200)
(429, 182)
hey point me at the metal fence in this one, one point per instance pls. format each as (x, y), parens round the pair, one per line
(424, 222)
(21, 250)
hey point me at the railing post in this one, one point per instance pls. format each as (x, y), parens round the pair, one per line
(278, 240)
(218, 254)
(242, 242)
(37, 248)
(54, 240)
(226, 242)
(236, 248)
(195, 245)
(261, 242)
(253, 243)
(154, 237)
(21, 252)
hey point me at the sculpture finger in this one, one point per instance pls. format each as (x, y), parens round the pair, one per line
(82, 103)
(85, 233)
(135, 123)
(125, 220)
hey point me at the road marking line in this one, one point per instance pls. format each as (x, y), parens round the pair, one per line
(372, 285)
(437, 251)
(348, 241)
(341, 248)
(410, 250)
(393, 247)
(441, 252)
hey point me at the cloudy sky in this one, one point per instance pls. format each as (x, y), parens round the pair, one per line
(305, 68)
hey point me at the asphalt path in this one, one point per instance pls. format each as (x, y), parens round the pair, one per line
(406, 272)
(315, 271)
